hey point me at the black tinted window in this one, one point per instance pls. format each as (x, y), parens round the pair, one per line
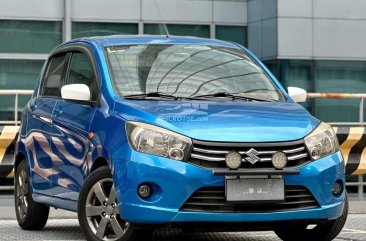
(81, 72)
(52, 85)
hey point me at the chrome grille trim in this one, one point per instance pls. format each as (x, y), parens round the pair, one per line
(294, 150)
(296, 157)
(196, 149)
(212, 154)
(206, 158)
(209, 151)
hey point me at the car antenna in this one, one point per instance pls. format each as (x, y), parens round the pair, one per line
(161, 17)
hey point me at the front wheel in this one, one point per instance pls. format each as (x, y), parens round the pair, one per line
(322, 232)
(98, 211)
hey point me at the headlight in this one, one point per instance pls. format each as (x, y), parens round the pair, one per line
(322, 141)
(157, 141)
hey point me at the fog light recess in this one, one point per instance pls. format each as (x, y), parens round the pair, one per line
(337, 188)
(144, 191)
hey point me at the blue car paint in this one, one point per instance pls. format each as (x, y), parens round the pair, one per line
(275, 121)
(173, 181)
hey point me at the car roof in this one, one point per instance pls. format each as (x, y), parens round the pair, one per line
(115, 40)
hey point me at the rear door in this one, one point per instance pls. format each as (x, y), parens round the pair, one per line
(71, 123)
(39, 128)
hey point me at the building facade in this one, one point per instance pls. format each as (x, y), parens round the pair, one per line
(29, 30)
(319, 45)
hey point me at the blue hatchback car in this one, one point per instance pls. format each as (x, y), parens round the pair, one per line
(139, 132)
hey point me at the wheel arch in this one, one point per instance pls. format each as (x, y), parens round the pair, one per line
(97, 163)
(18, 158)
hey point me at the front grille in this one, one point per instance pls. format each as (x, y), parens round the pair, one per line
(212, 199)
(212, 154)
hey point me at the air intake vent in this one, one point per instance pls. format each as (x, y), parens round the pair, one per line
(212, 199)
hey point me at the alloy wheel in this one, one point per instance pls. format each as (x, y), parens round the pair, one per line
(22, 194)
(102, 212)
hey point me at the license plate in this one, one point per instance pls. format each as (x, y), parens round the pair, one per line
(252, 190)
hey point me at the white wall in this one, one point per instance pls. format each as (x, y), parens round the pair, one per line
(308, 29)
(262, 28)
(322, 29)
(33, 9)
(176, 11)
(106, 10)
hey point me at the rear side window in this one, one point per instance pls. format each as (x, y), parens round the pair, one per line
(81, 72)
(52, 84)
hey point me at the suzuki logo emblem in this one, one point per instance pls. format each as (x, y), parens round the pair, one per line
(252, 156)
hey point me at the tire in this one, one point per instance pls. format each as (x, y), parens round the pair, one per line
(98, 212)
(30, 215)
(322, 232)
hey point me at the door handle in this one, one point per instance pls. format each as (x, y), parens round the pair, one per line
(33, 107)
(58, 111)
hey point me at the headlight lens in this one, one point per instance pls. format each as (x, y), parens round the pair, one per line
(157, 141)
(322, 141)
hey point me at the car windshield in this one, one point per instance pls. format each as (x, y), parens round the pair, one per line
(188, 71)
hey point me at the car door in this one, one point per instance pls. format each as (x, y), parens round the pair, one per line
(71, 122)
(39, 125)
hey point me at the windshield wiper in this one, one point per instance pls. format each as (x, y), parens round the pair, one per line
(227, 95)
(150, 95)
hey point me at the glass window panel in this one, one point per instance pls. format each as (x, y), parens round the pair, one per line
(236, 34)
(187, 70)
(297, 73)
(202, 31)
(53, 80)
(343, 77)
(86, 29)
(81, 72)
(272, 66)
(29, 36)
(17, 74)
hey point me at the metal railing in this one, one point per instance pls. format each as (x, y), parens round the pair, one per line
(16, 94)
(361, 123)
(361, 97)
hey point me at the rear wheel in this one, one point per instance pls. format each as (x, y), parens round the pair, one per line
(98, 211)
(322, 232)
(30, 215)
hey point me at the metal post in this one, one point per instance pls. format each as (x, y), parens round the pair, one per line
(212, 31)
(361, 111)
(360, 187)
(141, 22)
(16, 109)
(212, 24)
(141, 28)
(67, 20)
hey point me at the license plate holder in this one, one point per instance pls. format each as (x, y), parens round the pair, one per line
(255, 190)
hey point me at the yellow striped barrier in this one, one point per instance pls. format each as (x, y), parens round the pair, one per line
(8, 136)
(352, 141)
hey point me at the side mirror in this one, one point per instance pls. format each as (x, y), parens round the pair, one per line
(75, 92)
(297, 94)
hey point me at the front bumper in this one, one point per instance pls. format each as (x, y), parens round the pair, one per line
(174, 182)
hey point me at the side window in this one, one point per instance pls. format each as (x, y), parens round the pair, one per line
(81, 72)
(52, 83)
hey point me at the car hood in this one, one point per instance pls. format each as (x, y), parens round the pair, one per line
(223, 121)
